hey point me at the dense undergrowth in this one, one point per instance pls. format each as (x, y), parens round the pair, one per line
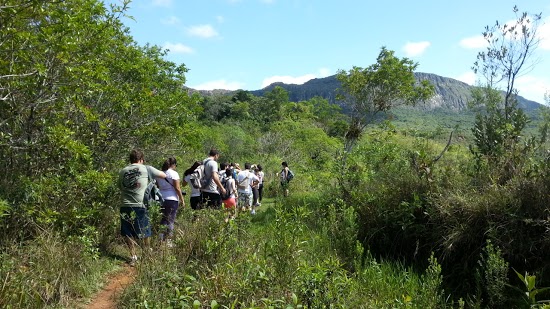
(277, 259)
(411, 216)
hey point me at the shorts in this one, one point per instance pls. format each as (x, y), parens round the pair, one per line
(211, 200)
(134, 222)
(245, 199)
(230, 203)
(195, 202)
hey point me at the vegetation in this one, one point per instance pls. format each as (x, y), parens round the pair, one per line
(378, 88)
(412, 220)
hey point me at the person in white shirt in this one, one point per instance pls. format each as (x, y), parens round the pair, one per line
(245, 180)
(170, 190)
(195, 199)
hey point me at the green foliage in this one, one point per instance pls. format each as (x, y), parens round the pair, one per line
(49, 271)
(493, 271)
(342, 232)
(529, 290)
(497, 134)
(378, 88)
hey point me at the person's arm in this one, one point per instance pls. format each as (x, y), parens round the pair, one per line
(156, 173)
(177, 187)
(218, 182)
(234, 188)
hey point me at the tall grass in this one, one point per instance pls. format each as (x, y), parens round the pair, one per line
(50, 271)
(276, 259)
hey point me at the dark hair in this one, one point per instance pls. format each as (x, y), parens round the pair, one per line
(192, 168)
(228, 172)
(284, 164)
(247, 166)
(259, 167)
(223, 165)
(169, 162)
(213, 152)
(136, 155)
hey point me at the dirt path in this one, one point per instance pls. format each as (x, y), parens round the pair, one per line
(107, 298)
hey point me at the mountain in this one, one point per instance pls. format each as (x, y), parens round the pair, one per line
(450, 94)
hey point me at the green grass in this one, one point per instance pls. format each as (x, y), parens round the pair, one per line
(275, 259)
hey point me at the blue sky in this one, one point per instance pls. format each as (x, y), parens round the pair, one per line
(249, 44)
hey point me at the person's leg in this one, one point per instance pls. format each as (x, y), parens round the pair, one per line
(260, 193)
(164, 211)
(250, 203)
(254, 197)
(195, 201)
(169, 212)
(131, 243)
(242, 201)
(128, 231)
(143, 228)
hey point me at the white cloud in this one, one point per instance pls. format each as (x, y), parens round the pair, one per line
(324, 72)
(533, 87)
(178, 48)
(298, 80)
(474, 42)
(413, 49)
(529, 86)
(220, 19)
(219, 84)
(163, 3)
(203, 31)
(172, 20)
(468, 77)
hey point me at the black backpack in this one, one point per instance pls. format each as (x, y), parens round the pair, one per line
(228, 189)
(152, 192)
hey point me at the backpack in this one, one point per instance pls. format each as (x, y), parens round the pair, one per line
(243, 184)
(198, 178)
(228, 189)
(289, 176)
(152, 192)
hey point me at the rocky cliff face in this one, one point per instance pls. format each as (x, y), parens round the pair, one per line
(450, 94)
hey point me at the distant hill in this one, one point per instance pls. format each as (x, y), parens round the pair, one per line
(450, 94)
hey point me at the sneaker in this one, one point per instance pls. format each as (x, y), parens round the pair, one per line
(169, 243)
(253, 212)
(133, 260)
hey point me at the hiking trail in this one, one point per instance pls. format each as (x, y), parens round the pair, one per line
(107, 297)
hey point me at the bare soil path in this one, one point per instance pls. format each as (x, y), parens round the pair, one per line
(107, 298)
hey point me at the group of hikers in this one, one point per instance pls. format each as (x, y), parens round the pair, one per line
(211, 187)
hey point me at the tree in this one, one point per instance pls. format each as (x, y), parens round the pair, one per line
(498, 128)
(378, 88)
(510, 48)
(76, 93)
